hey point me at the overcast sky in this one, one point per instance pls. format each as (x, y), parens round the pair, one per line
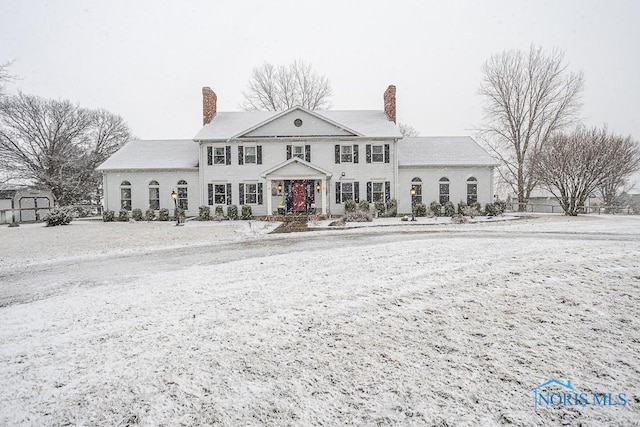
(148, 60)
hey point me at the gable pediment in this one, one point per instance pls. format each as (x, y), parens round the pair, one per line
(296, 168)
(297, 122)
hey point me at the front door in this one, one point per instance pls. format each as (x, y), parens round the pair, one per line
(299, 196)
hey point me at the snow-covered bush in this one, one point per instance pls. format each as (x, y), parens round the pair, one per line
(232, 212)
(219, 211)
(392, 208)
(449, 209)
(491, 210)
(501, 205)
(246, 212)
(379, 207)
(108, 216)
(136, 214)
(358, 216)
(435, 208)
(363, 205)
(461, 207)
(350, 206)
(163, 214)
(420, 209)
(477, 206)
(58, 216)
(150, 215)
(204, 213)
(458, 219)
(123, 216)
(471, 211)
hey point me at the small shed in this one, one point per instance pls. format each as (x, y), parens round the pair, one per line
(24, 204)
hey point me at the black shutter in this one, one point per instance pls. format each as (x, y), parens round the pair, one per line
(259, 193)
(337, 154)
(209, 156)
(228, 194)
(369, 192)
(387, 191)
(386, 153)
(356, 192)
(240, 155)
(241, 194)
(338, 192)
(368, 153)
(355, 154)
(210, 194)
(259, 154)
(288, 152)
(227, 151)
(307, 153)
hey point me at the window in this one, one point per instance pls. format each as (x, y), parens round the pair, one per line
(377, 192)
(219, 194)
(125, 195)
(250, 155)
(444, 190)
(183, 199)
(251, 194)
(219, 156)
(347, 191)
(472, 190)
(154, 195)
(377, 154)
(346, 154)
(416, 184)
(298, 151)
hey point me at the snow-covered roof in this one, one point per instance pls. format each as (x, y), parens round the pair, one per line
(441, 151)
(154, 154)
(368, 123)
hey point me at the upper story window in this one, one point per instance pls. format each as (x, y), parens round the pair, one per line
(299, 150)
(251, 155)
(378, 153)
(125, 195)
(219, 155)
(154, 195)
(346, 153)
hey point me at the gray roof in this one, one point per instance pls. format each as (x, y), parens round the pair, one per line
(369, 123)
(442, 151)
(154, 154)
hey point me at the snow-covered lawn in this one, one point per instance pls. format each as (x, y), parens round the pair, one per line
(411, 325)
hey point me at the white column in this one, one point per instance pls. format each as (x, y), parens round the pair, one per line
(269, 197)
(325, 196)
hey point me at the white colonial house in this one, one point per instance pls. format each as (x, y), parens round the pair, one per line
(296, 161)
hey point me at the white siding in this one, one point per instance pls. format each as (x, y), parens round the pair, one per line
(140, 180)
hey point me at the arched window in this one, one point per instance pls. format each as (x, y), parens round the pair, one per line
(183, 195)
(472, 190)
(443, 186)
(125, 195)
(416, 184)
(154, 195)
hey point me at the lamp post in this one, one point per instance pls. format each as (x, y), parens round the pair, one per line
(174, 196)
(413, 203)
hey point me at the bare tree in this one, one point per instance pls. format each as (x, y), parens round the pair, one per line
(57, 145)
(527, 97)
(626, 158)
(5, 76)
(571, 166)
(279, 88)
(407, 130)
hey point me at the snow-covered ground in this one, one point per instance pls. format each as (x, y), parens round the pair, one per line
(434, 324)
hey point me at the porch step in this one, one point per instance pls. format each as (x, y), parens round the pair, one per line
(291, 227)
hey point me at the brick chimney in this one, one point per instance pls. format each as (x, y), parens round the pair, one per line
(390, 102)
(209, 105)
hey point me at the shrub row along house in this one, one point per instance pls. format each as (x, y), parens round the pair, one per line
(297, 161)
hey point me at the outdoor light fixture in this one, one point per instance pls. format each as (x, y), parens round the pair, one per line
(279, 188)
(413, 203)
(174, 196)
(318, 187)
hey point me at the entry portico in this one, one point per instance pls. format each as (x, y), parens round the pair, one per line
(297, 186)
